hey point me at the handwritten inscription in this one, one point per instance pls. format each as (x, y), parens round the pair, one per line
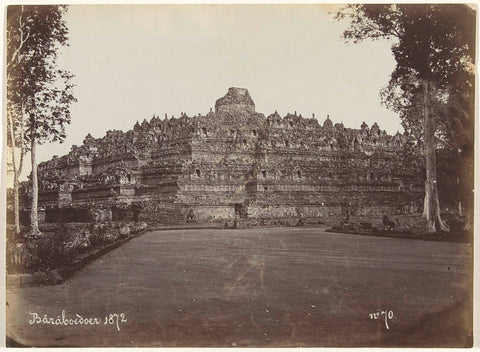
(63, 320)
(115, 318)
(384, 314)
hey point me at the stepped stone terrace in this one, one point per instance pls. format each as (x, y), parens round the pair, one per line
(233, 164)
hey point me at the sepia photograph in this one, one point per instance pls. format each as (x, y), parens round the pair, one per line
(239, 175)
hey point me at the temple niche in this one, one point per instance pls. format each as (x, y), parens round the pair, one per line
(234, 163)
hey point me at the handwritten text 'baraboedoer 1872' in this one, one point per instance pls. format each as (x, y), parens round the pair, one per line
(62, 320)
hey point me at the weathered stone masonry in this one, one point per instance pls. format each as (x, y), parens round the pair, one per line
(233, 163)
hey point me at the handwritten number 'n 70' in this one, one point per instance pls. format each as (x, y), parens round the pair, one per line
(386, 315)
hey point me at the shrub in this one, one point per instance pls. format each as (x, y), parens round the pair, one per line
(60, 245)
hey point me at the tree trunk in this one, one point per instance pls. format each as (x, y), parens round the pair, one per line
(17, 169)
(16, 208)
(16, 205)
(34, 210)
(432, 204)
(425, 205)
(16, 202)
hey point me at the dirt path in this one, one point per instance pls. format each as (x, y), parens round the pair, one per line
(255, 287)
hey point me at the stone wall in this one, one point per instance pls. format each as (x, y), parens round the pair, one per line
(234, 163)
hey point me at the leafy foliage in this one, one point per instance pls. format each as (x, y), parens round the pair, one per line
(37, 88)
(431, 41)
(39, 94)
(433, 82)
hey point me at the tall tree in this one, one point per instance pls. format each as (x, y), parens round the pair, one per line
(434, 49)
(18, 41)
(39, 94)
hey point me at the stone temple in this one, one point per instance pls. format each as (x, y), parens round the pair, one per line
(231, 164)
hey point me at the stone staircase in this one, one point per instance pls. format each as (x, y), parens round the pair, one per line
(170, 216)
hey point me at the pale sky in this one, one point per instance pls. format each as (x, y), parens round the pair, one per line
(133, 61)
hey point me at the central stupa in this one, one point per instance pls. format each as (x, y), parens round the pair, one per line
(236, 100)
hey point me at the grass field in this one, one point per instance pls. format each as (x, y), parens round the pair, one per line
(257, 287)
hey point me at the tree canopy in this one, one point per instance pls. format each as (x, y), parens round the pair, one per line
(432, 41)
(36, 86)
(39, 93)
(432, 86)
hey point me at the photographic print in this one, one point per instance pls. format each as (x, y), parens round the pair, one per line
(239, 175)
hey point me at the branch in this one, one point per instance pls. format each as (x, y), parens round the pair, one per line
(12, 149)
(22, 40)
(22, 136)
(395, 33)
(10, 122)
(444, 142)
